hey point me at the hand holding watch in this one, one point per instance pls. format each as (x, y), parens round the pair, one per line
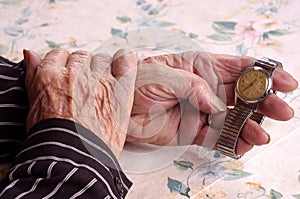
(252, 87)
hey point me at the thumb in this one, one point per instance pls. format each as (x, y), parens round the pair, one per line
(124, 61)
(124, 69)
(32, 60)
(202, 96)
(183, 84)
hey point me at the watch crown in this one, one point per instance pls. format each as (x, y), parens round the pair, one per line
(271, 91)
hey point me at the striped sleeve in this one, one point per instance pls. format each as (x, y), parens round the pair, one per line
(13, 108)
(62, 159)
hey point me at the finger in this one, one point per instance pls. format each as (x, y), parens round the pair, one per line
(101, 63)
(157, 128)
(216, 121)
(79, 59)
(54, 60)
(78, 62)
(182, 84)
(229, 67)
(32, 60)
(208, 137)
(202, 96)
(283, 81)
(243, 146)
(190, 121)
(196, 62)
(123, 62)
(276, 108)
(226, 92)
(124, 70)
(254, 134)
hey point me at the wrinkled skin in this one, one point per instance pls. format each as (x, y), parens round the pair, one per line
(173, 97)
(94, 91)
(175, 94)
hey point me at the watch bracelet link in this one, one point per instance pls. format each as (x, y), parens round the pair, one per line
(257, 117)
(268, 64)
(233, 125)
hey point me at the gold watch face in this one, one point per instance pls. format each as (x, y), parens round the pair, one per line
(252, 84)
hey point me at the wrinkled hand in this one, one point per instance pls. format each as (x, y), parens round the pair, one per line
(94, 91)
(176, 93)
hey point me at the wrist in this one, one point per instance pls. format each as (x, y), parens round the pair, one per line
(103, 128)
(45, 107)
(106, 130)
(55, 128)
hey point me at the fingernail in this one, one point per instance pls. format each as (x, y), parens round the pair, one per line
(295, 80)
(292, 112)
(25, 54)
(269, 139)
(121, 53)
(218, 104)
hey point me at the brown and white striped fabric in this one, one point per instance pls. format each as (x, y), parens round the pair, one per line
(13, 108)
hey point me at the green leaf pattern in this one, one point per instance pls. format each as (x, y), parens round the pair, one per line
(183, 165)
(123, 19)
(275, 194)
(177, 186)
(297, 196)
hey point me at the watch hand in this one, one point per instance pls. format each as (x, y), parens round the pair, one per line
(250, 85)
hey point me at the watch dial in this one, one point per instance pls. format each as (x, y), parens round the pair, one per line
(252, 84)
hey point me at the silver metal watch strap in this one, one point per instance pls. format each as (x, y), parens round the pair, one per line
(231, 130)
(257, 117)
(268, 64)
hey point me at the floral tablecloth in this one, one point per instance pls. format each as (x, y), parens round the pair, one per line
(245, 27)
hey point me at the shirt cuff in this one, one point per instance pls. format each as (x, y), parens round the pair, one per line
(73, 142)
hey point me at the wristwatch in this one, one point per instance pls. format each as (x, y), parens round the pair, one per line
(252, 87)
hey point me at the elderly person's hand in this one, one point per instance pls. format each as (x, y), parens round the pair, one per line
(94, 91)
(176, 93)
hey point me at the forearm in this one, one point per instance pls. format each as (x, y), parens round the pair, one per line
(58, 155)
